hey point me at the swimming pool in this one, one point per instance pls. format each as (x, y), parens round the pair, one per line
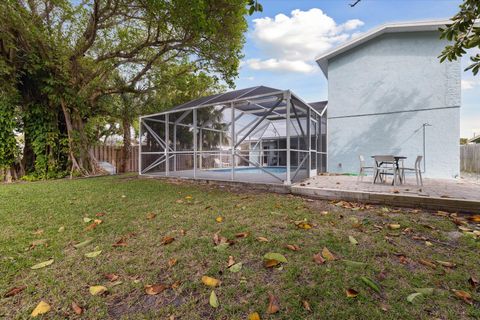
(253, 170)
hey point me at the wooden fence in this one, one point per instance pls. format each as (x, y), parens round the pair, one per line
(470, 158)
(114, 156)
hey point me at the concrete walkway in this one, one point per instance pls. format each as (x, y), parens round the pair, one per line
(452, 195)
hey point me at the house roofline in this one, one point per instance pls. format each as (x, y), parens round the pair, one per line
(430, 25)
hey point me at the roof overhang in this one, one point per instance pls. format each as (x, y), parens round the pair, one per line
(431, 25)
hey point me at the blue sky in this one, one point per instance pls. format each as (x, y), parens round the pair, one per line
(307, 31)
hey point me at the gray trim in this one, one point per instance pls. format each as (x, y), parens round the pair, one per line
(391, 112)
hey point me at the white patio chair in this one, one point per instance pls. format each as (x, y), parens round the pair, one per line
(384, 166)
(417, 169)
(364, 168)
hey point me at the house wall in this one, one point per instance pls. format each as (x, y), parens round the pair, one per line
(382, 92)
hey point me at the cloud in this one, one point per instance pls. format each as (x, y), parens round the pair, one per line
(469, 84)
(280, 65)
(291, 43)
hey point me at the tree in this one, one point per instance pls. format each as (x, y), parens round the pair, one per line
(67, 58)
(465, 34)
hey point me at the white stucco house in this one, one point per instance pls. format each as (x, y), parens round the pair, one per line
(389, 94)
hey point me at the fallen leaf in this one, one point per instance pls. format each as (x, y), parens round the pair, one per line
(87, 219)
(61, 229)
(188, 198)
(352, 240)
(474, 218)
(241, 235)
(372, 284)
(306, 305)
(41, 308)
(412, 296)
(292, 247)
(14, 291)
(465, 296)
(120, 243)
(427, 263)
(327, 254)
(236, 267)
(76, 308)
(167, 240)
(425, 291)
(302, 224)
(97, 290)
(231, 261)
(318, 258)
(183, 232)
(172, 262)
(82, 244)
(446, 264)
(393, 226)
(273, 306)
(93, 254)
(270, 263)
(219, 219)
(275, 256)
(112, 277)
(262, 239)
(38, 232)
(155, 289)
(99, 214)
(211, 282)
(351, 293)
(42, 264)
(254, 316)
(473, 281)
(116, 283)
(151, 216)
(213, 300)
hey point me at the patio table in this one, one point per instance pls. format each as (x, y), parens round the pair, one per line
(397, 167)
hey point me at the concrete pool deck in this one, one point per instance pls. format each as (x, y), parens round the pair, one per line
(437, 194)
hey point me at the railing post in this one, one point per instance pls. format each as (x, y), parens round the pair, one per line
(167, 138)
(140, 145)
(194, 143)
(232, 128)
(287, 97)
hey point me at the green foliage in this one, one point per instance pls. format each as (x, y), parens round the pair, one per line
(465, 34)
(8, 124)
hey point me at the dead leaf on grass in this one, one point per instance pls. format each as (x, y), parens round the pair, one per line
(219, 219)
(318, 258)
(393, 226)
(273, 306)
(351, 293)
(241, 235)
(231, 261)
(172, 262)
(112, 277)
(42, 264)
(40, 309)
(474, 218)
(306, 305)
(328, 255)
(254, 316)
(292, 247)
(120, 243)
(213, 300)
(446, 264)
(211, 282)
(151, 216)
(155, 289)
(14, 291)
(303, 224)
(262, 239)
(76, 308)
(463, 295)
(97, 290)
(473, 282)
(167, 240)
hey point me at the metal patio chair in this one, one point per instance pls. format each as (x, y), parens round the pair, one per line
(364, 168)
(385, 166)
(416, 169)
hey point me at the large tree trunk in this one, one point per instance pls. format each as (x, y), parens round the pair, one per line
(127, 146)
(82, 160)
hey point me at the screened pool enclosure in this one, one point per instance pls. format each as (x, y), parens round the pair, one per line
(256, 134)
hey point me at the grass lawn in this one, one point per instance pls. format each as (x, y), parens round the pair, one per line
(140, 214)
